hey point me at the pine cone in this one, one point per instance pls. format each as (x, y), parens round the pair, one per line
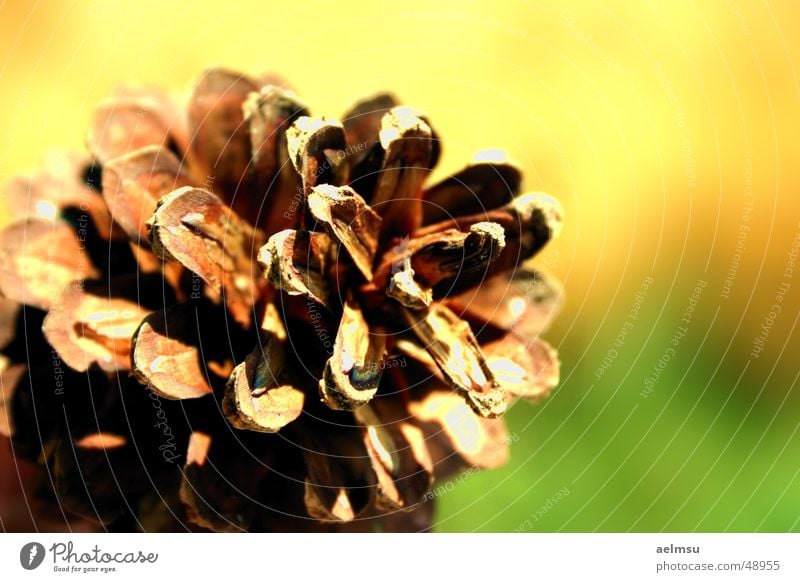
(320, 335)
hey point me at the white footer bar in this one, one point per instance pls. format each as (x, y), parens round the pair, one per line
(385, 557)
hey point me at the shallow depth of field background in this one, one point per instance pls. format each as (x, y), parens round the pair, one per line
(670, 133)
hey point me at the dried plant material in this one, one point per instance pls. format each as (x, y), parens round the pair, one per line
(39, 259)
(167, 356)
(262, 393)
(535, 219)
(220, 137)
(407, 141)
(340, 484)
(366, 167)
(350, 220)
(74, 467)
(353, 373)
(218, 488)
(490, 181)
(10, 377)
(455, 350)
(9, 312)
(438, 260)
(410, 346)
(101, 441)
(62, 185)
(456, 436)
(294, 261)
(162, 511)
(397, 452)
(272, 322)
(32, 406)
(268, 114)
(87, 328)
(526, 303)
(197, 452)
(529, 222)
(433, 372)
(404, 288)
(418, 519)
(157, 98)
(316, 148)
(194, 227)
(198, 479)
(311, 330)
(121, 126)
(171, 114)
(149, 264)
(320, 504)
(133, 184)
(454, 253)
(525, 368)
(362, 124)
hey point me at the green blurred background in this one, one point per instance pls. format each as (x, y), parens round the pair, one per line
(669, 131)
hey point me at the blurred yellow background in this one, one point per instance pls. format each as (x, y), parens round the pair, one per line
(670, 132)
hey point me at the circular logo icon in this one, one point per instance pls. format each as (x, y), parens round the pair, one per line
(31, 555)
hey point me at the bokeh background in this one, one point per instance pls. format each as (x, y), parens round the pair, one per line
(670, 131)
